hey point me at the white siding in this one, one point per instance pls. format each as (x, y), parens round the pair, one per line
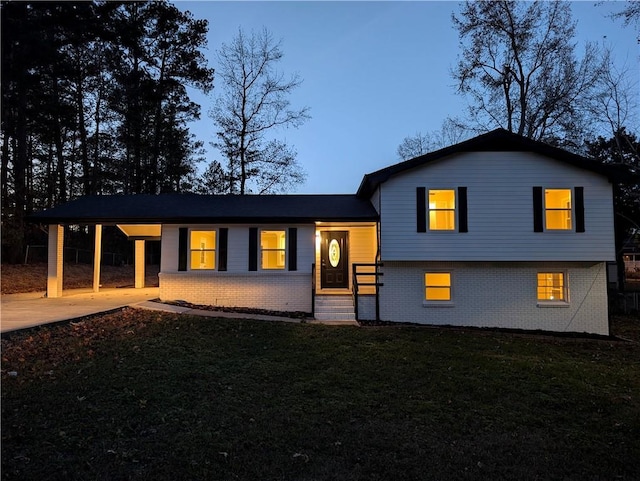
(238, 246)
(498, 294)
(169, 248)
(500, 211)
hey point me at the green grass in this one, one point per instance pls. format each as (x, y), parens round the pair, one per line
(148, 396)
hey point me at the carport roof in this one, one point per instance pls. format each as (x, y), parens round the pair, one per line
(204, 209)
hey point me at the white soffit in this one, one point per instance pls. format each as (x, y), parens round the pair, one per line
(141, 230)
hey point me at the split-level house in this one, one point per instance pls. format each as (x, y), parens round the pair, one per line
(497, 231)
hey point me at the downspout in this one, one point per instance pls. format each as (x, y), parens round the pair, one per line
(379, 251)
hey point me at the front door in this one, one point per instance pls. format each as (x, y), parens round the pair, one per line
(334, 258)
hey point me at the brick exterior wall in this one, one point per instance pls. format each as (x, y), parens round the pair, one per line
(366, 307)
(281, 291)
(498, 294)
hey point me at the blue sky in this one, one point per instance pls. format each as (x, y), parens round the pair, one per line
(374, 73)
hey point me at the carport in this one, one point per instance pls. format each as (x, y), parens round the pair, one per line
(138, 233)
(136, 216)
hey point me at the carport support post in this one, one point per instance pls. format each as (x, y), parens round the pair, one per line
(55, 260)
(97, 255)
(139, 262)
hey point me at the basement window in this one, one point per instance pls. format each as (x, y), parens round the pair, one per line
(437, 288)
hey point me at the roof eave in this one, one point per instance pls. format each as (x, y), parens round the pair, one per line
(197, 220)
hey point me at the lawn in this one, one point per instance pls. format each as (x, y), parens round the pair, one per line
(147, 396)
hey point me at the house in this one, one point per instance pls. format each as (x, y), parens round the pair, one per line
(631, 254)
(497, 231)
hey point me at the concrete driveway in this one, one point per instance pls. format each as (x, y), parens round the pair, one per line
(19, 311)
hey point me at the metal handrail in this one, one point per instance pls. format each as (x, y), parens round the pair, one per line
(355, 286)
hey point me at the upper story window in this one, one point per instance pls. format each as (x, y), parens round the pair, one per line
(557, 209)
(442, 209)
(202, 248)
(273, 249)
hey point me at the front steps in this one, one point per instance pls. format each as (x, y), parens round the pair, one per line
(330, 308)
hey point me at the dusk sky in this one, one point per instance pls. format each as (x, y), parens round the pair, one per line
(373, 73)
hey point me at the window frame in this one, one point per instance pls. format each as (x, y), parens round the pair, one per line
(201, 251)
(564, 302)
(570, 210)
(284, 250)
(454, 211)
(434, 302)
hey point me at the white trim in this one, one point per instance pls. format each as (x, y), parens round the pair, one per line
(571, 210)
(455, 210)
(203, 228)
(447, 303)
(285, 266)
(566, 302)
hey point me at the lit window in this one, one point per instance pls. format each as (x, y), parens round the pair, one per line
(203, 249)
(442, 209)
(272, 249)
(552, 286)
(557, 207)
(437, 286)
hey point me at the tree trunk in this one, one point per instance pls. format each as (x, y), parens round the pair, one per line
(95, 185)
(84, 154)
(19, 169)
(4, 175)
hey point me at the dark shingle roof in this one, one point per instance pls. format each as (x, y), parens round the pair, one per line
(201, 209)
(499, 140)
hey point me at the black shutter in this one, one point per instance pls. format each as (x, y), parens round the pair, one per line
(421, 209)
(462, 210)
(253, 248)
(223, 242)
(183, 238)
(293, 249)
(537, 209)
(579, 208)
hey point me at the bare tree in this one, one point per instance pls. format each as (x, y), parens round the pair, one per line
(254, 102)
(519, 68)
(451, 132)
(614, 104)
(630, 13)
(415, 145)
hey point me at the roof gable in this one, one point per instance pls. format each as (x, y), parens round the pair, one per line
(499, 140)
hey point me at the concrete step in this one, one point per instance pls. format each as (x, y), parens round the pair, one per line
(334, 308)
(335, 316)
(334, 301)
